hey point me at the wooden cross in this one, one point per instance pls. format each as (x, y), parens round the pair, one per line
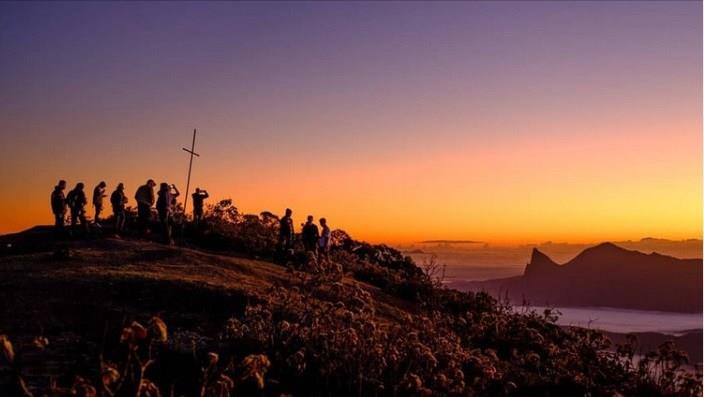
(190, 165)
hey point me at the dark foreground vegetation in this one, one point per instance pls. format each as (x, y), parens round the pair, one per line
(368, 322)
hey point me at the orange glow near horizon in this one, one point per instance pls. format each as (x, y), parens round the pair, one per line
(585, 189)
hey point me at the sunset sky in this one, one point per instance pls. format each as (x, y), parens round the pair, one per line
(506, 122)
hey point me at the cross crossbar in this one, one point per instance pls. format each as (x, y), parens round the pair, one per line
(193, 153)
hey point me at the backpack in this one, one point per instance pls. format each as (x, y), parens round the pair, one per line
(71, 199)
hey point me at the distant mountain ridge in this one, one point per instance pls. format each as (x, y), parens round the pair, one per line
(604, 275)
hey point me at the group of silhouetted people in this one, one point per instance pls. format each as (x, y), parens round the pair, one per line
(314, 240)
(165, 199)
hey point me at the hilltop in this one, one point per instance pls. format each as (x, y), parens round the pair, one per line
(604, 275)
(134, 317)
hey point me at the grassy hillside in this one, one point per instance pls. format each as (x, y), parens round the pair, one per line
(127, 317)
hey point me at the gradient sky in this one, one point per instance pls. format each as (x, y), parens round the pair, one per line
(494, 121)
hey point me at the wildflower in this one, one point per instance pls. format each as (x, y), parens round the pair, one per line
(158, 330)
(126, 335)
(284, 326)
(138, 330)
(535, 336)
(510, 387)
(40, 342)
(255, 367)
(430, 359)
(369, 327)
(298, 360)
(110, 375)
(533, 359)
(213, 358)
(227, 381)
(489, 372)
(83, 388)
(492, 353)
(222, 387)
(441, 380)
(348, 315)
(149, 389)
(458, 374)
(6, 347)
(413, 382)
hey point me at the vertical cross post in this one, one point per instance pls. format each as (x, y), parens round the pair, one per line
(190, 165)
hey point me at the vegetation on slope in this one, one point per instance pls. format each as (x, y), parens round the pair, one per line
(367, 322)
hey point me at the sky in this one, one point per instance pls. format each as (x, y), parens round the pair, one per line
(505, 122)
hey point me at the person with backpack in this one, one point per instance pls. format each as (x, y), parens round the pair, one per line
(77, 201)
(145, 200)
(310, 235)
(58, 206)
(118, 201)
(98, 196)
(324, 240)
(198, 197)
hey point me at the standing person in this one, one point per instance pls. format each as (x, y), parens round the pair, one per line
(173, 190)
(58, 206)
(118, 201)
(198, 197)
(176, 212)
(77, 201)
(98, 196)
(324, 240)
(286, 231)
(145, 199)
(165, 205)
(310, 235)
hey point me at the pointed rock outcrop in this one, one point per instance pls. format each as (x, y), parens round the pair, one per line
(540, 265)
